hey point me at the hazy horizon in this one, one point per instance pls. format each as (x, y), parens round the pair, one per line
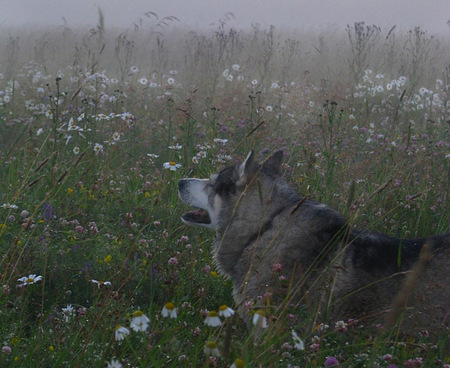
(430, 15)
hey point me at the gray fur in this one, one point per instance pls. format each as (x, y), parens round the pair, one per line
(337, 271)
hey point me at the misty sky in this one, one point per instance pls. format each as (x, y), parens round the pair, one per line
(431, 15)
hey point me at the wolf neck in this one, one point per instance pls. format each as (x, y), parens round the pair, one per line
(250, 223)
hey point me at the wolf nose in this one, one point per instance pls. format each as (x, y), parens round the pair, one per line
(181, 184)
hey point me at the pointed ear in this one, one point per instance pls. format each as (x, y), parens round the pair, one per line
(247, 169)
(273, 162)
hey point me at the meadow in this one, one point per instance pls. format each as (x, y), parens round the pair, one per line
(97, 127)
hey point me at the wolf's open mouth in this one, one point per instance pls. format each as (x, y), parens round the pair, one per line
(199, 216)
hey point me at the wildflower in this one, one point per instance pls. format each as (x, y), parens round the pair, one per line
(173, 71)
(116, 136)
(172, 261)
(121, 333)
(39, 131)
(259, 319)
(76, 150)
(31, 279)
(101, 283)
(238, 363)
(221, 141)
(98, 148)
(6, 349)
(212, 319)
(114, 364)
(340, 326)
(277, 267)
(171, 81)
(274, 85)
(152, 155)
(143, 81)
(331, 362)
(235, 67)
(68, 312)
(210, 348)
(225, 73)
(9, 206)
(171, 165)
(225, 311)
(139, 322)
(195, 160)
(176, 147)
(201, 154)
(169, 310)
(269, 108)
(254, 82)
(299, 344)
(134, 69)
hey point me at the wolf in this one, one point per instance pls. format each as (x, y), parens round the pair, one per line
(281, 249)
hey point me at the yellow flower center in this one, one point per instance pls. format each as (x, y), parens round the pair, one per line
(138, 314)
(223, 307)
(171, 163)
(239, 363)
(170, 306)
(211, 345)
(213, 314)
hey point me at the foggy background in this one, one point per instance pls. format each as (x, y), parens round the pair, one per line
(431, 15)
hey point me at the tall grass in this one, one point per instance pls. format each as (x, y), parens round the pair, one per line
(89, 118)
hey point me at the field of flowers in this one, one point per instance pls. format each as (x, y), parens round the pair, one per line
(97, 127)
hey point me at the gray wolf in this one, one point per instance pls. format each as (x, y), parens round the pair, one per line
(265, 230)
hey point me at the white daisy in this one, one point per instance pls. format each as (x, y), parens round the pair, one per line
(68, 312)
(121, 333)
(139, 321)
(116, 136)
(210, 349)
(98, 148)
(169, 310)
(259, 319)
(171, 165)
(299, 344)
(114, 364)
(101, 283)
(31, 279)
(212, 319)
(225, 311)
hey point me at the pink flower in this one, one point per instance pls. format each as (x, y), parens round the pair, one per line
(276, 267)
(173, 261)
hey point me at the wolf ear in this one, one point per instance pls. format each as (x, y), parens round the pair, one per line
(273, 162)
(248, 169)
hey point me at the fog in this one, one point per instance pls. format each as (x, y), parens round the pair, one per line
(431, 15)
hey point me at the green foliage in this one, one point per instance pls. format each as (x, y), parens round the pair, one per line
(88, 131)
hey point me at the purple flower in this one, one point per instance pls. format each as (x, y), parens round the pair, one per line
(48, 212)
(331, 362)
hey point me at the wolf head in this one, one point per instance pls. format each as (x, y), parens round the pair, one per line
(217, 197)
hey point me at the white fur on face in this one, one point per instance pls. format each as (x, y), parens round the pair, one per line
(199, 193)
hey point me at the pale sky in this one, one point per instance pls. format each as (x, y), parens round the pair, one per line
(431, 15)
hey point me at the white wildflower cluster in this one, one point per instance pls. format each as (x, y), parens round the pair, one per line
(390, 90)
